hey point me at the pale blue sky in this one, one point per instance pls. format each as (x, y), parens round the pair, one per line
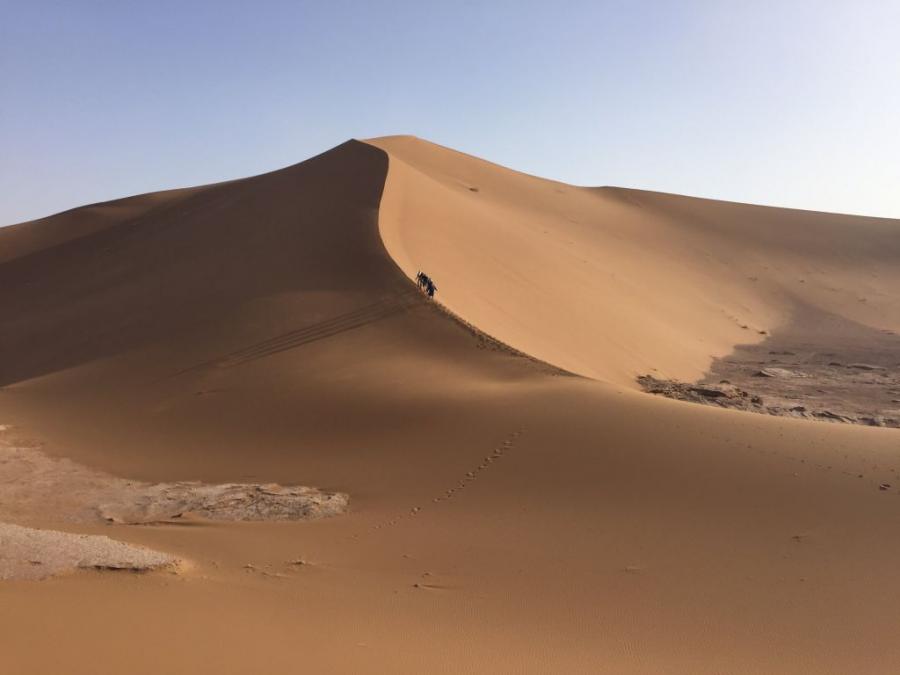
(793, 102)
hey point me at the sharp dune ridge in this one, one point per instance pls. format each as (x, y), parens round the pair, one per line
(268, 330)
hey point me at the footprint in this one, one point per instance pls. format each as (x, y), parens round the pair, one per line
(448, 494)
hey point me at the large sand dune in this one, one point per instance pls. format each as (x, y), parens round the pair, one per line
(611, 283)
(504, 516)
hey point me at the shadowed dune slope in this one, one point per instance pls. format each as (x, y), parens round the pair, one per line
(611, 282)
(24, 238)
(263, 307)
(160, 265)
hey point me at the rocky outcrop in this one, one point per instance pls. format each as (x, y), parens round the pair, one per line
(229, 501)
(35, 486)
(28, 553)
(727, 395)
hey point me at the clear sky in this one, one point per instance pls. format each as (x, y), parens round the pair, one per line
(789, 102)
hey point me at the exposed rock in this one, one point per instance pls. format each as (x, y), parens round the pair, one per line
(28, 553)
(710, 392)
(838, 370)
(832, 417)
(231, 501)
(776, 372)
(724, 395)
(36, 486)
(730, 396)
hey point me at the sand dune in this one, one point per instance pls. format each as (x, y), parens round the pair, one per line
(505, 517)
(611, 283)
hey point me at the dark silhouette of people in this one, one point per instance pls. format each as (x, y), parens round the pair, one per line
(426, 284)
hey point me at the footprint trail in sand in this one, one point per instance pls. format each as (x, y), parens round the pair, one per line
(501, 450)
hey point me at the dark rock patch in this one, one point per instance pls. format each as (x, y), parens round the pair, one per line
(819, 366)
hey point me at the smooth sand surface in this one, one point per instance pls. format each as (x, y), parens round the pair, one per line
(504, 518)
(613, 283)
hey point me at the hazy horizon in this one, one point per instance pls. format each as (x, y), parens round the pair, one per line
(790, 105)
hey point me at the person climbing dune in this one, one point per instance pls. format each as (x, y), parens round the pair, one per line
(426, 284)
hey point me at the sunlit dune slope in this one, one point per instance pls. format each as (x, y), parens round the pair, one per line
(612, 282)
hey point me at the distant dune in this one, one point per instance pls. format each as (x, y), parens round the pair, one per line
(516, 503)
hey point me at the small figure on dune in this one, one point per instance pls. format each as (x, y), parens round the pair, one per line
(426, 284)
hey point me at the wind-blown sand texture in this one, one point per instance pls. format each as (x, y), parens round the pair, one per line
(506, 516)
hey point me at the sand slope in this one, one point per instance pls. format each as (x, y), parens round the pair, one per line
(611, 283)
(279, 283)
(504, 518)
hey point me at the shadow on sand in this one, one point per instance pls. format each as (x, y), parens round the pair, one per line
(342, 323)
